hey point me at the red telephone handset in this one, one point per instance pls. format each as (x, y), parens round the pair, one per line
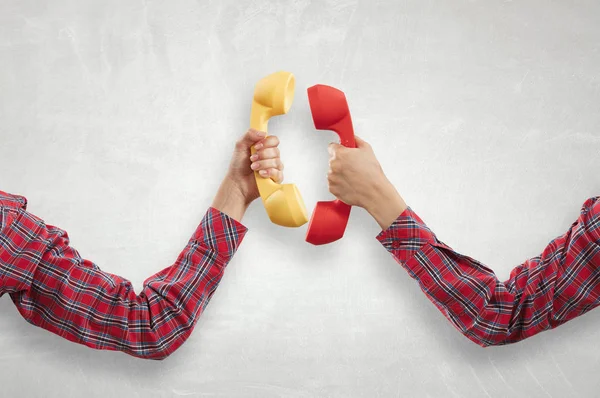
(330, 111)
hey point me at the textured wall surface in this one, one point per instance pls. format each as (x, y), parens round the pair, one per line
(117, 119)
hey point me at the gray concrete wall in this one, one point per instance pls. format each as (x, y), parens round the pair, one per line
(117, 119)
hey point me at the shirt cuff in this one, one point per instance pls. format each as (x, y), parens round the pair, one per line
(590, 217)
(406, 236)
(12, 201)
(220, 233)
(20, 248)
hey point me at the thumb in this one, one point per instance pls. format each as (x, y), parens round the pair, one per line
(360, 143)
(250, 138)
(333, 148)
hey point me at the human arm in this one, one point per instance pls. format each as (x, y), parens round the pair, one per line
(560, 284)
(53, 287)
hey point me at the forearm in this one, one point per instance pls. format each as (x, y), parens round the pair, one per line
(230, 200)
(385, 204)
(73, 298)
(540, 294)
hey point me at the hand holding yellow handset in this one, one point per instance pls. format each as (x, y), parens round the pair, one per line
(273, 96)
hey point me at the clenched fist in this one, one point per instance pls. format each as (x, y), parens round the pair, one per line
(356, 178)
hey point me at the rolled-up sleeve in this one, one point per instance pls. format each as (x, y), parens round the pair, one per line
(563, 282)
(53, 287)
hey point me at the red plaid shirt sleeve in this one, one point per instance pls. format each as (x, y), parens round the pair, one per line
(546, 291)
(54, 288)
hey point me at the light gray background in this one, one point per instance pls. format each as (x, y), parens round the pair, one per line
(117, 119)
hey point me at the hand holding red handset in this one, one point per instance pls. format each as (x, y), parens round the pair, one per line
(330, 111)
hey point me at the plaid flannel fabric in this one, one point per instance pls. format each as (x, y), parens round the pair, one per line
(560, 284)
(54, 288)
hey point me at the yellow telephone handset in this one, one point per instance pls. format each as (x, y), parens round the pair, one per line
(273, 95)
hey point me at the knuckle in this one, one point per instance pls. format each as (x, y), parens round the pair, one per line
(335, 166)
(272, 152)
(271, 141)
(332, 179)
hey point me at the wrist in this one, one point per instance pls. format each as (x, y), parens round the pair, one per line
(235, 188)
(386, 204)
(231, 200)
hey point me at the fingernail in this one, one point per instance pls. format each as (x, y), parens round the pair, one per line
(263, 173)
(258, 146)
(253, 158)
(254, 166)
